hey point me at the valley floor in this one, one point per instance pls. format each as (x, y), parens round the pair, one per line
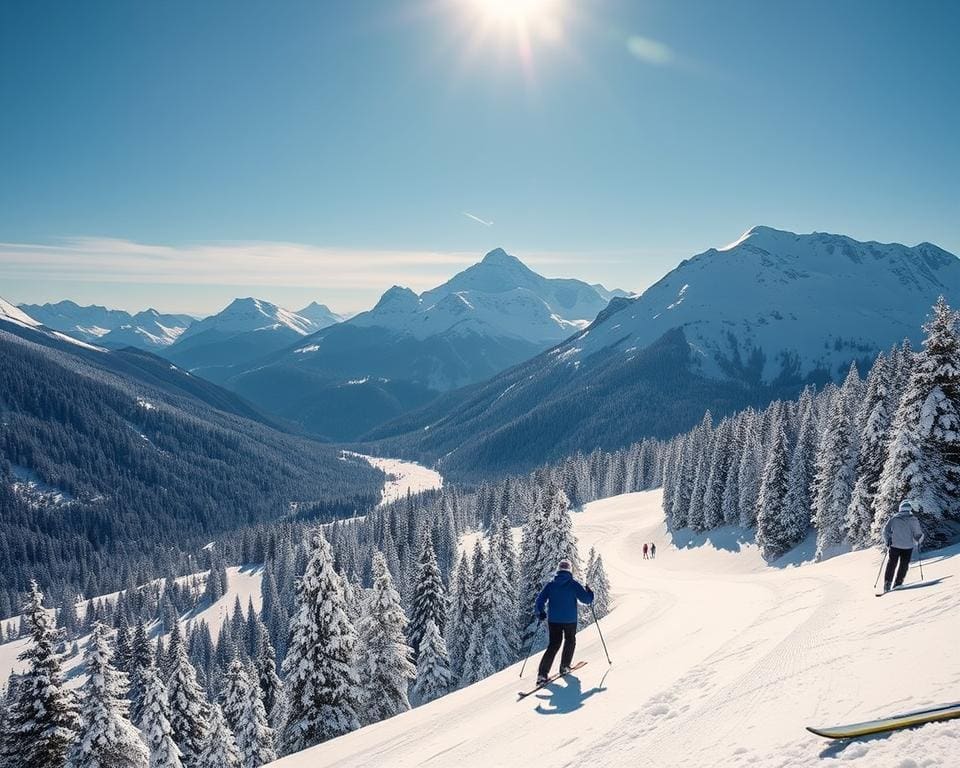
(719, 660)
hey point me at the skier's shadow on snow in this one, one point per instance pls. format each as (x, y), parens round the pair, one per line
(922, 584)
(567, 697)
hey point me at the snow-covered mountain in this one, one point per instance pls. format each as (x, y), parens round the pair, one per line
(727, 328)
(14, 315)
(111, 327)
(247, 315)
(354, 375)
(320, 315)
(499, 296)
(776, 304)
(244, 331)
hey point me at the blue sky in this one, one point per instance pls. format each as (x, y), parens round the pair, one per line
(178, 153)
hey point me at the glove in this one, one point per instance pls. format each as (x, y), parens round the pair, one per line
(542, 615)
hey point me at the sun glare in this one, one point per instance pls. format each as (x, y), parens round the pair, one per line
(514, 27)
(515, 12)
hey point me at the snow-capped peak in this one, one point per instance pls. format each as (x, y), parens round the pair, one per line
(398, 299)
(499, 257)
(797, 302)
(16, 315)
(251, 314)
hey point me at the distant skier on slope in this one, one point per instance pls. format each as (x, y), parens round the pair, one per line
(560, 596)
(645, 551)
(653, 551)
(901, 534)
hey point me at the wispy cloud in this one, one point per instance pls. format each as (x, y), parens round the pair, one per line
(478, 219)
(650, 51)
(111, 260)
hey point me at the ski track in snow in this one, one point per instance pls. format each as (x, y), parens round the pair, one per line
(719, 660)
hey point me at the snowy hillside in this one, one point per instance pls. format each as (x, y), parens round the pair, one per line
(805, 302)
(718, 660)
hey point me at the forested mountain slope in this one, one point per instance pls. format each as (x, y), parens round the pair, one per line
(110, 461)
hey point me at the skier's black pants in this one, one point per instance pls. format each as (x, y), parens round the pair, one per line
(565, 633)
(897, 560)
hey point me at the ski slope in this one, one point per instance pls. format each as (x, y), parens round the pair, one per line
(719, 660)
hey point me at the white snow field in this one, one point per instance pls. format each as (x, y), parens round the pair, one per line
(719, 660)
(404, 476)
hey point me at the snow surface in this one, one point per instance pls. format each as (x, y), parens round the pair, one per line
(719, 660)
(403, 476)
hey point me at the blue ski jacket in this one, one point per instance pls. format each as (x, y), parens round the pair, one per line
(561, 596)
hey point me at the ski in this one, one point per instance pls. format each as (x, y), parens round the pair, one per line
(905, 720)
(552, 678)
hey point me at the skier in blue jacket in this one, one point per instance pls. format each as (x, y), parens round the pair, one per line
(560, 597)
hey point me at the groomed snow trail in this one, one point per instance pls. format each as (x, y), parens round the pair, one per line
(719, 660)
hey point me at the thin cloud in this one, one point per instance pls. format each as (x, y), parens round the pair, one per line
(112, 260)
(650, 51)
(478, 219)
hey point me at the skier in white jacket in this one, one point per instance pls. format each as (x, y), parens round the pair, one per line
(901, 534)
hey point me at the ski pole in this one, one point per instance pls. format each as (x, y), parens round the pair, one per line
(919, 561)
(882, 561)
(597, 623)
(530, 646)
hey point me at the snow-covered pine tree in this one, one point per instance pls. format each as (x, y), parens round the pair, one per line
(155, 721)
(141, 659)
(501, 540)
(922, 455)
(749, 471)
(434, 678)
(247, 718)
(189, 708)
(597, 581)
(719, 466)
(385, 667)
(43, 717)
(683, 481)
(531, 576)
(122, 645)
(459, 615)
(271, 687)
(319, 668)
(107, 738)
(476, 662)
(873, 442)
(774, 533)
(498, 604)
(429, 601)
(558, 538)
(796, 511)
(220, 747)
(836, 468)
(730, 501)
(704, 451)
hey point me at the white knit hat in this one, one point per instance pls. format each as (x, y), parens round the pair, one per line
(564, 565)
(906, 506)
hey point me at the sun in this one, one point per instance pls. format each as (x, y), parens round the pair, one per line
(520, 13)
